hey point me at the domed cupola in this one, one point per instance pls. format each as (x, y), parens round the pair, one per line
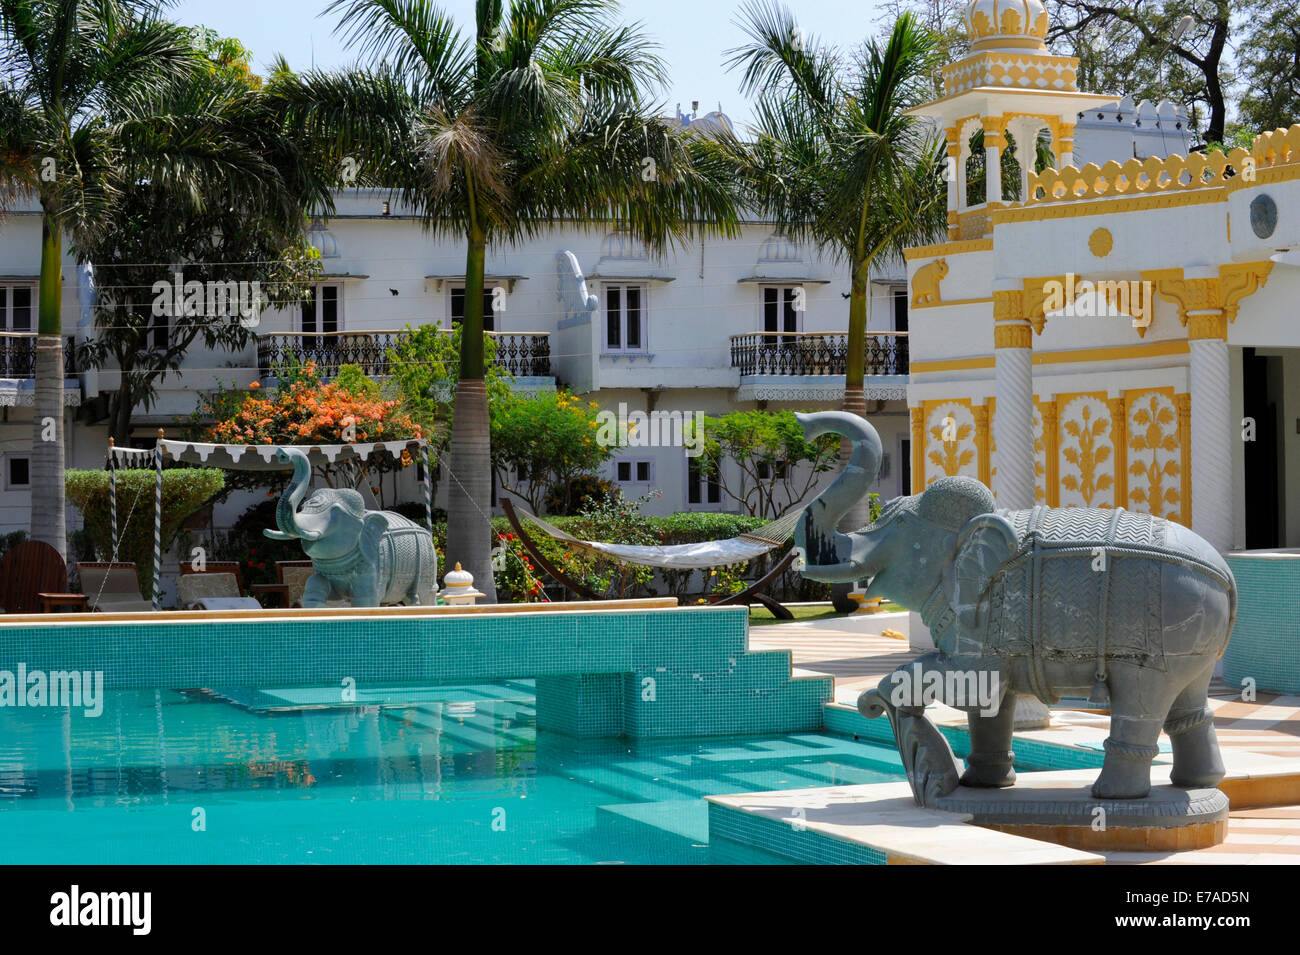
(1006, 25)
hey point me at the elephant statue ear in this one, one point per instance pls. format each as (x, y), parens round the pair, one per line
(373, 529)
(983, 546)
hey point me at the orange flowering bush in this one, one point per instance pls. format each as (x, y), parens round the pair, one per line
(303, 410)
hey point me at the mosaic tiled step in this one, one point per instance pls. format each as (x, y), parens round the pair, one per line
(753, 693)
(636, 668)
(871, 825)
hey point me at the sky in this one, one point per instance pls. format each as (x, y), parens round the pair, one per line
(692, 33)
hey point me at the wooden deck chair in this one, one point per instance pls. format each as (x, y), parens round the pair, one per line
(112, 587)
(31, 568)
(217, 567)
(212, 592)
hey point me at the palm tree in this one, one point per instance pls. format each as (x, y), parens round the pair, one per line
(61, 66)
(211, 182)
(540, 117)
(836, 159)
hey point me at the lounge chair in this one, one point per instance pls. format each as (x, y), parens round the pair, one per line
(112, 588)
(27, 571)
(212, 592)
(217, 567)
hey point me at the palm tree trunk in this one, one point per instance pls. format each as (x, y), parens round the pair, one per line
(48, 517)
(854, 402)
(469, 499)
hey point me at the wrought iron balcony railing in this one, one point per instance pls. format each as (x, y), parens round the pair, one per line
(18, 355)
(523, 354)
(815, 353)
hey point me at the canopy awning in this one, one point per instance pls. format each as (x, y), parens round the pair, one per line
(263, 457)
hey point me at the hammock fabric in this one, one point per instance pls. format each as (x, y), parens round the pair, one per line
(734, 550)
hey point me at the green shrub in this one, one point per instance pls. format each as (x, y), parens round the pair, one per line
(582, 491)
(184, 491)
(9, 541)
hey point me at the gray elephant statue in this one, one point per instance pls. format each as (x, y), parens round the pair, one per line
(1110, 605)
(369, 558)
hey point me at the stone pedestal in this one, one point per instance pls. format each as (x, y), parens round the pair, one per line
(1169, 818)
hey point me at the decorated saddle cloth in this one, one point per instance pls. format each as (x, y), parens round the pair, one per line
(1088, 580)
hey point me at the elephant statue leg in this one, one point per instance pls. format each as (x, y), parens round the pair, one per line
(1134, 732)
(316, 591)
(365, 591)
(989, 764)
(1190, 725)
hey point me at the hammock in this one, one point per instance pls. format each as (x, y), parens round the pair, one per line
(734, 550)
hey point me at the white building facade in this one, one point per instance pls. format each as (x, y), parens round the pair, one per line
(716, 325)
(1119, 332)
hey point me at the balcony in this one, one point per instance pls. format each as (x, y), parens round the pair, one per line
(18, 355)
(523, 354)
(18, 370)
(798, 366)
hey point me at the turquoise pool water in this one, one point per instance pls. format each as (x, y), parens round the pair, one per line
(436, 775)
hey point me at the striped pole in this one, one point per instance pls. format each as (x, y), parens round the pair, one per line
(157, 523)
(112, 483)
(428, 488)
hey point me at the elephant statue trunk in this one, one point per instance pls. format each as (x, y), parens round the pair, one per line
(816, 539)
(286, 511)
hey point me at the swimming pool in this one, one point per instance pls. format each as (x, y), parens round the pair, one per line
(432, 775)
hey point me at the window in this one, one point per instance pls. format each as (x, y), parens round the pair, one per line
(632, 472)
(16, 308)
(458, 307)
(321, 312)
(17, 472)
(900, 309)
(764, 472)
(701, 489)
(159, 332)
(781, 307)
(625, 318)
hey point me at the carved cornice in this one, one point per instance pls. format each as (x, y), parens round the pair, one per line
(1007, 305)
(1207, 325)
(1013, 336)
(1239, 280)
(1212, 301)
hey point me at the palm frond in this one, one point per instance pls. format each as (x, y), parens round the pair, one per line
(413, 38)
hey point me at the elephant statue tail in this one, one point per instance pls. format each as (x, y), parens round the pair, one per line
(826, 552)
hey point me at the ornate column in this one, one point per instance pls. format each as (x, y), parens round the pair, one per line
(1014, 424)
(1119, 445)
(1211, 432)
(955, 181)
(985, 458)
(1207, 302)
(1183, 403)
(995, 141)
(1051, 412)
(1065, 145)
(918, 451)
